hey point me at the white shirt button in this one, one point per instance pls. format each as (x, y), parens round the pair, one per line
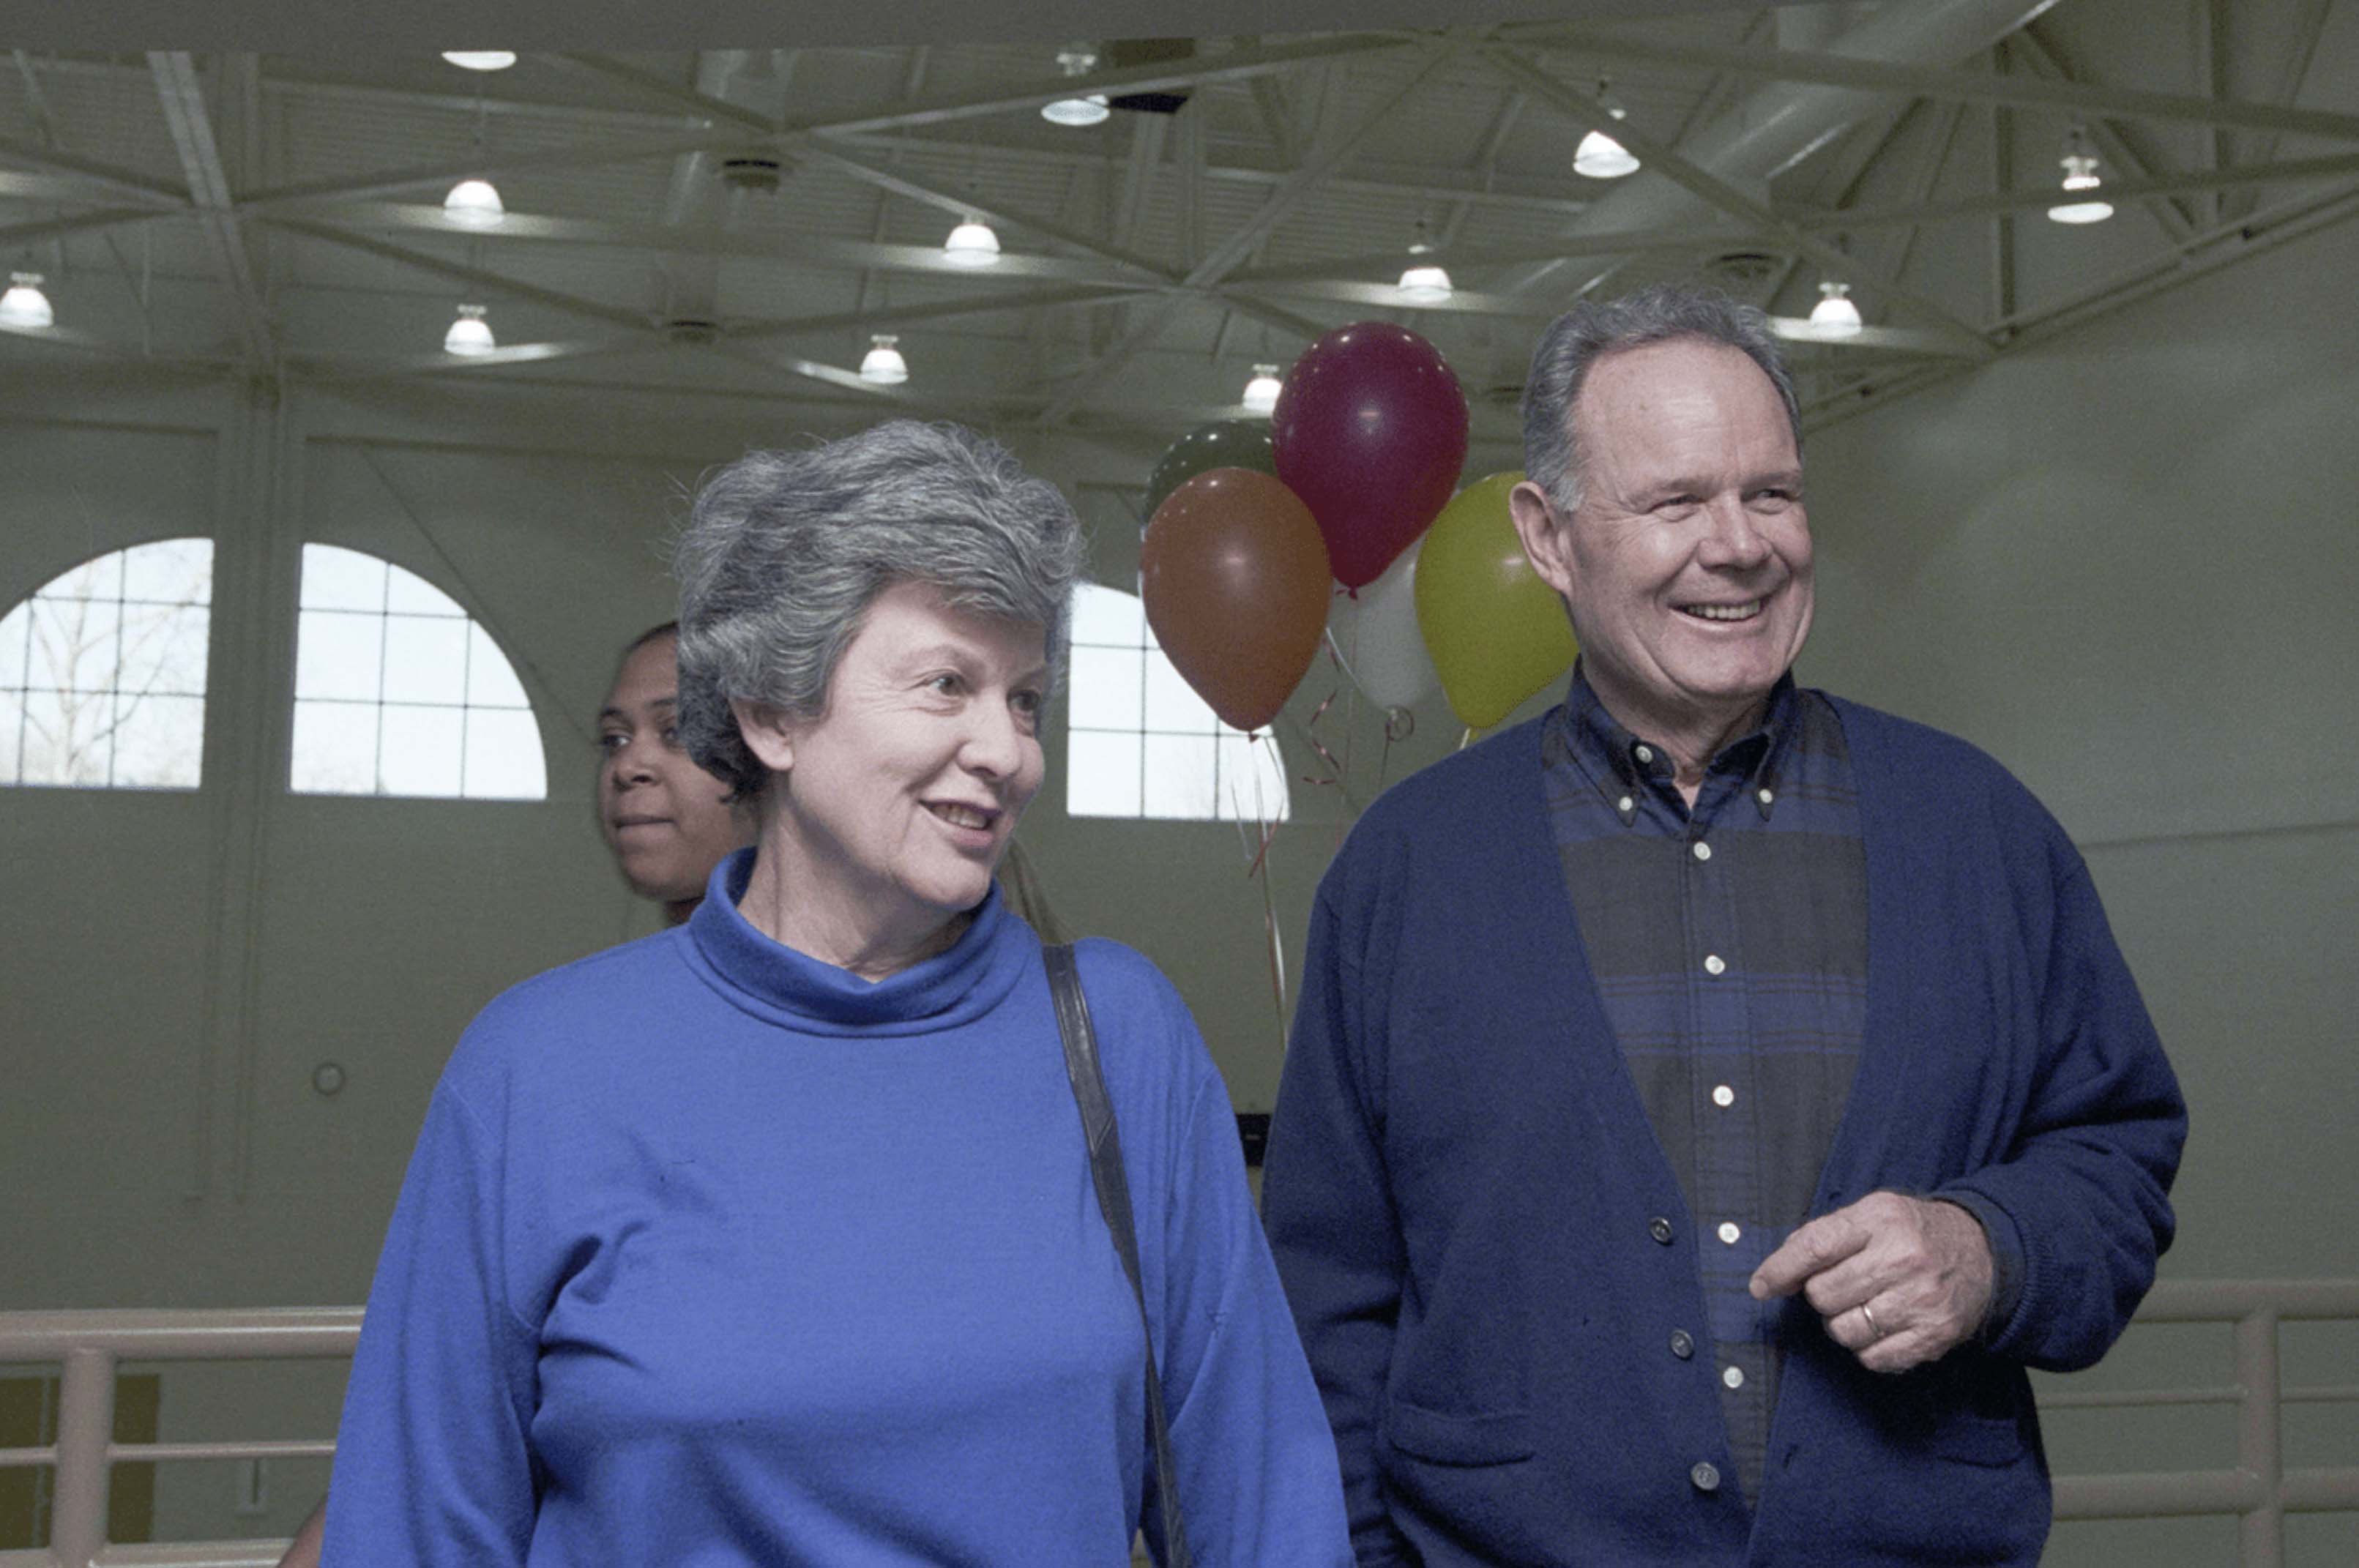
(1766, 797)
(1623, 804)
(1714, 964)
(1644, 753)
(1728, 1232)
(1733, 1376)
(1702, 851)
(1723, 1096)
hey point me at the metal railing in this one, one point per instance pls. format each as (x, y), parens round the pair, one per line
(90, 1346)
(2260, 1488)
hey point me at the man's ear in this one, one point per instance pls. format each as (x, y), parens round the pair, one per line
(769, 734)
(1543, 539)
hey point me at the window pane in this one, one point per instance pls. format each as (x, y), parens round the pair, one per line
(69, 738)
(160, 741)
(1178, 780)
(425, 661)
(1172, 704)
(1106, 689)
(101, 579)
(1107, 616)
(1253, 777)
(336, 655)
(164, 649)
(342, 579)
(420, 750)
(1101, 774)
(172, 571)
(491, 682)
(407, 593)
(504, 757)
(335, 748)
(16, 634)
(73, 644)
(12, 725)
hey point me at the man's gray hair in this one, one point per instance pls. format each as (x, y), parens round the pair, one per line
(784, 551)
(1660, 313)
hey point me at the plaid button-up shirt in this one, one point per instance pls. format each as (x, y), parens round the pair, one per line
(1729, 945)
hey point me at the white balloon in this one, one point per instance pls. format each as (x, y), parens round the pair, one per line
(1378, 637)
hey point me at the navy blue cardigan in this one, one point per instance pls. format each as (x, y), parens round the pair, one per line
(1461, 1183)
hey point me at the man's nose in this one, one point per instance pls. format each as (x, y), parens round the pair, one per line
(1736, 538)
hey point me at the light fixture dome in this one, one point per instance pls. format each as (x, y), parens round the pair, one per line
(1261, 391)
(884, 365)
(1834, 315)
(2079, 180)
(480, 59)
(25, 305)
(475, 203)
(971, 244)
(1599, 156)
(1077, 59)
(1424, 283)
(469, 335)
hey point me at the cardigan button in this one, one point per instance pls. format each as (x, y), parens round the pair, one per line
(1706, 1476)
(1661, 1229)
(1682, 1344)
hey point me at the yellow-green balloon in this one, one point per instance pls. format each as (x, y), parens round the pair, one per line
(1497, 634)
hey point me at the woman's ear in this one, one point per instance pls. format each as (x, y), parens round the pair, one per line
(769, 734)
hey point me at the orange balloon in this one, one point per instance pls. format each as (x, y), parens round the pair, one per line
(1236, 580)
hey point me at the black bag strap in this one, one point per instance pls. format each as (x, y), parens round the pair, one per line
(1114, 1201)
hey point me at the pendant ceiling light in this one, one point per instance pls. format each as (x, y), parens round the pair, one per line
(475, 203)
(1422, 282)
(971, 244)
(2081, 183)
(480, 59)
(1077, 59)
(1599, 156)
(1834, 315)
(884, 366)
(469, 335)
(25, 305)
(1261, 391)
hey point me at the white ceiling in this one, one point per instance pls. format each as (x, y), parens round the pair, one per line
(277, 214)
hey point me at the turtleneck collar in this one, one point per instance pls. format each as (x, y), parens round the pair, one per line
(773, 982)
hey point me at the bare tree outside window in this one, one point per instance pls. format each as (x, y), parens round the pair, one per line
(102, 672)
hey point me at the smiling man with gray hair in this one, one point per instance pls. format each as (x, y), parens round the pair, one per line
(1706, 1101)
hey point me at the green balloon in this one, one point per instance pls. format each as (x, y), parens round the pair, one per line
(1497, 634)
(1222, 444)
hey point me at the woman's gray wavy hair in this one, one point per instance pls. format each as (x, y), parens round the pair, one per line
(1661, 313)
(784, 551)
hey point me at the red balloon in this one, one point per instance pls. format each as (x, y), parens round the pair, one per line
(1371, 433)
(1234, 577)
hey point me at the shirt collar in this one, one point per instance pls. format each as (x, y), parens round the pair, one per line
(1617, 762)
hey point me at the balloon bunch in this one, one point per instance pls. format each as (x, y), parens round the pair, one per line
(1350, 483)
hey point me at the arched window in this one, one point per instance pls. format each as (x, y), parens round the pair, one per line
(1141, 744)
(398, 692)
(102, 672)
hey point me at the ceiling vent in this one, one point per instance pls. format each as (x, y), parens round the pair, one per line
(1742, 269)
(756, 172)
(693, 330)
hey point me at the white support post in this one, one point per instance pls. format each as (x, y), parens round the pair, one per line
(85, 1428)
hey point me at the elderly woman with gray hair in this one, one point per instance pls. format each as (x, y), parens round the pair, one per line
(774, 1239)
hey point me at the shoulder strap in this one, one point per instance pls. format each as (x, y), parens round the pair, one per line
(1113, 1186)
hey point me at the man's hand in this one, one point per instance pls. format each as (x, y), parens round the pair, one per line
(1898, 1280)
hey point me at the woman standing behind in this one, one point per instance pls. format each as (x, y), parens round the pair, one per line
(772, 1238)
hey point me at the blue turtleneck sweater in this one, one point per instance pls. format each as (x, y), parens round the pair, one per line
(713, 1253)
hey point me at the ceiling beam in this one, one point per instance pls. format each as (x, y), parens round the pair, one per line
(1225, 257)
(885, 318)
(77, 223)
(664, 89)
(92, 177)
(183, 101)
(1603, 242)
(1931, 81)
(1860, 218)
(2032, 50)
(571, 305)
(580, 155)
(1710, 187)
(2309, 26)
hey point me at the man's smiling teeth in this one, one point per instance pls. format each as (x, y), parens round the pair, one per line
(1744, 611)
(961, 815)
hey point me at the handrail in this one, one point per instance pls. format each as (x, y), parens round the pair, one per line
(2260, 1491)
(90, 1346)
